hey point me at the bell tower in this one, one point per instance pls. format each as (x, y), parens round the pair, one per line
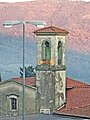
(50, 69)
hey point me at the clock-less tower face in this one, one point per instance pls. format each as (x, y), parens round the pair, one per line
(51, 69)
(51, 50)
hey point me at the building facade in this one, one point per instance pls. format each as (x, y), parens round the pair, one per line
(11, 98)
(51, 69)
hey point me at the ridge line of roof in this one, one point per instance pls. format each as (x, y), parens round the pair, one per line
(52, 28)
(30, 86)
(22, 78)
(75, 80)
(41, 29)
(12, 80)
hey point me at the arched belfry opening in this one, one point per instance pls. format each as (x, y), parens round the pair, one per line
(59, 53)
(46, 51)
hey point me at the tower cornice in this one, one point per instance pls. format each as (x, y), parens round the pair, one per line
(53, 68)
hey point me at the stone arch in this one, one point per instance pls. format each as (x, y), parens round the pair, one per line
(59, 53)
(46, 50)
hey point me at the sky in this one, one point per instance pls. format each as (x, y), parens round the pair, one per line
(26, 0)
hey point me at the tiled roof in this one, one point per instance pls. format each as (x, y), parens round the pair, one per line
(78, 111)
(70, 82)
(78, 99)
(74, 83)
(50, 29)
(28, 80)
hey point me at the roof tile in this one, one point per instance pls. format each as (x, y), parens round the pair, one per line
(28, 80)
(74, 83)
(78, 99)
(50, 29)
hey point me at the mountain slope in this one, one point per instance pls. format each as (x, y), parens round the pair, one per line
(73, 16)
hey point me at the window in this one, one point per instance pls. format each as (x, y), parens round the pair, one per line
(13, 103)
(46, 51)
(59, 53)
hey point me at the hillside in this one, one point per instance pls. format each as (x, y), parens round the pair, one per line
(70, 15)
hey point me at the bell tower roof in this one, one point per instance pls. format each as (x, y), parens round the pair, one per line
(50, 30)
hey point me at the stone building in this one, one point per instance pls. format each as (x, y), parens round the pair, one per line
(11, 97)
(77, 99)
(50, 69)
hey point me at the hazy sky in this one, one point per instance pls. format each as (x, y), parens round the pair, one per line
(23, 0)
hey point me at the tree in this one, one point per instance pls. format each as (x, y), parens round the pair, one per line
(29, 72)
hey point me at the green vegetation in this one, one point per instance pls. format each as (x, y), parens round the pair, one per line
(29, 72)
